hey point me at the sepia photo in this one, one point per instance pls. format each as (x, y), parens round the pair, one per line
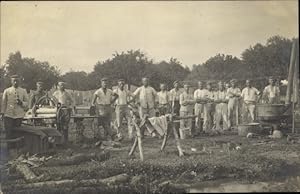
(149, 97)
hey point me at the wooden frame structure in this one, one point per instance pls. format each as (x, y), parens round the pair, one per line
(138, 139)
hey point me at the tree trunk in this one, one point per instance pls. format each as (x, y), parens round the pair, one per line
(290, 75)
(177, 141)
(77, 159)
(118, 179)
(133, 146)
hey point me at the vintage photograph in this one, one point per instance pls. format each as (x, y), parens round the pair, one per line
(149, 97)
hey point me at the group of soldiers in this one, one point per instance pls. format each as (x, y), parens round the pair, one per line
(216, 109)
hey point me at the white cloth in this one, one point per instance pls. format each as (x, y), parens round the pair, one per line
(123, 96)
(63, 97)
(147, 96)
(175, 94)
(160, 124)
(104, 98)
(221, 110)
(272, 93)
(163, 97)
(221, 95)
(10, 108)
(250, 94)
(200, 93)
(186, 98)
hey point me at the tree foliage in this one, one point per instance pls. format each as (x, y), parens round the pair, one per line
(271, 59)
(219, 67)
(268, 60)
(31, 71)
(77, 80)
(133, 65)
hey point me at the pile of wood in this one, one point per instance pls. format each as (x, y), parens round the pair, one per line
(23, 164)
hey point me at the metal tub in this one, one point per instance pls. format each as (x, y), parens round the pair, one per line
(273, 111)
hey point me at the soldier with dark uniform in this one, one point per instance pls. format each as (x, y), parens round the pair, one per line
(65, 103)
(37, 95)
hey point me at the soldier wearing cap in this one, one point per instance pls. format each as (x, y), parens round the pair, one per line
(174, 97)
(65, 102)
(146, 96)
(208, 108)
(163, 100)
(271, 93)
(186, 108)
(234, 93)
(250, 96)
(199, 95)
(221, 101)
(40, 92)
(122, 109)
(14, 104)
(103, 99)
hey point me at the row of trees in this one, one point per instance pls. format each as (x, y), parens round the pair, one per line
(271, 59)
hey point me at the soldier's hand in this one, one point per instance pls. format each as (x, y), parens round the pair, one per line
(1, 116)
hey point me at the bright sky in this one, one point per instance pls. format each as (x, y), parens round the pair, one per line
(75, 35)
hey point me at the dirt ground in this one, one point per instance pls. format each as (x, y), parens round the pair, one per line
(207, 161)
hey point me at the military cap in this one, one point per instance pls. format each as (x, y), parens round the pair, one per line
(121, 80)
(40, 83)
(233, 81)
(176, 82)
(209, 83)
(104, 79)
(61, 83)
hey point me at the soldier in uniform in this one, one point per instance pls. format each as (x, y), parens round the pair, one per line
(122, 109)
(37, 95)
(65, 103)
(103, 99)
(14, 104)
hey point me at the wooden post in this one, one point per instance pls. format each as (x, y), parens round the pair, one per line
(164, 143)
(290, 75)
(177, 141)
(139, 140)
(138, 130)
(237, 112)
(133, 146)
(295, 86)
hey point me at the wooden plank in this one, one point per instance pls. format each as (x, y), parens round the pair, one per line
(295, 87)
(290, 75)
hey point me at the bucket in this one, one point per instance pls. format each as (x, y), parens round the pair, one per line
(244, 129)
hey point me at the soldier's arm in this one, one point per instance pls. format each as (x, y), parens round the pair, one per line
(134, 95)
(4, 102)
(72, 101)
(25, 99)
(94, 99)
(182, 101)
(31, 101)
(238, 93)
(115, 96)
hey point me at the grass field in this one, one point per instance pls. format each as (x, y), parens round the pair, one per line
(213, 159)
